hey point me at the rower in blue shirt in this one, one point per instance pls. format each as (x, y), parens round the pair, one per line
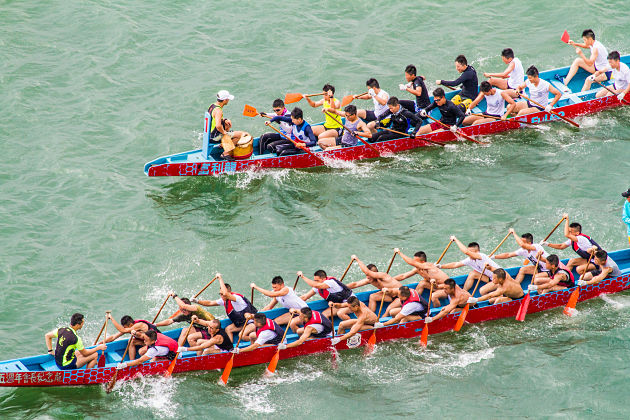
(301, 133)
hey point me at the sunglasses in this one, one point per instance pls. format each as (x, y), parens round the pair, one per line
(277, 110)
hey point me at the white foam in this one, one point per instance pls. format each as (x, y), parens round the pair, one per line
(243, 179)
(616, 303)
(157, 394)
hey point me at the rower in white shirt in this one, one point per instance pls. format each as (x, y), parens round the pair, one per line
(477, 261)
(620, 75)
(284, 295)
(380, 98)
(597, 60)
(528, 249)
(513, 75)
(539, 92)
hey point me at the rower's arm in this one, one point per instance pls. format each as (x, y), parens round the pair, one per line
(48, 338)
(395, 320)
(490, 295)
(504, 255)
(270, 305)
(409, 260)
(380, 100)
(356, 284)
(183, 305)
(118, 326)
(566, 230)
(367, 271)
(314, 284)
(313, 103)
(601, 276)
(305, 335)
(364, 130)
(557, 95)
(591, 60)
(477, 100)
(138, 361)
(511, 103)
(508, 71)
(472, 254)
(251, 347)
(450, 266)
(217, 116)
(445, 311)
(335, 111)
(164, 323)
(207, 303)
(307, 295)
(355, 329)
(271, 293)
(405, 276)
(417, 91)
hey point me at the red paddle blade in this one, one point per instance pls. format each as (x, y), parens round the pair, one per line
(226, 371)
(249, 111)
(111, 383)
(274, 363)
(346, 100)
(290, 98)
(462, 318)
(424, 337)
(565, 37)
(371, 343)
(522, 310)
(101, 360)
(569, 309)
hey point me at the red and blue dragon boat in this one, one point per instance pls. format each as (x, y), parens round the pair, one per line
(40, 371)
(207, 160)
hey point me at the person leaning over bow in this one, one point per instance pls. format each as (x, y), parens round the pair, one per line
(507, 289)
(219, 340)
(458, 298)
(69, 352)
(605, 267)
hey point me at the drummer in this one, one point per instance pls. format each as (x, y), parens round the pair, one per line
(219, 129)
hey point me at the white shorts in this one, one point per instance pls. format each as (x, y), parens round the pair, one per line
(410, 308)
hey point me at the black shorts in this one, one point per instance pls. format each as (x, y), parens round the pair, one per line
(338, 130)
(339, 143)
(531, 105)
(369, 116)
(72, 365)
(205, 335)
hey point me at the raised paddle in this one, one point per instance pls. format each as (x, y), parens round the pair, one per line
(554, 229)
(424, 337)
(171, 366)
(252, 297)
(306, 149)
(499, 246)
(290, 98)
(444, 252)
(408, 135)
(271, 368)
(492, 117)
(522, 309)
(357, 136)
(372, 340)
(296, 283)
(112, 382)
(100, 332)
(349, 98)
(570, 308)
(389, 267)
(161, 307)
(228, 366)
(250, 111)
(458, 132)
(552, 112)
(101, 360)
(346, 272)
(613, 92)
(203, 289)
(464, 312)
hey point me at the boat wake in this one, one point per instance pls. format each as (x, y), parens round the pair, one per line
(158, 395)
(617, 303)
(362, 170)
(244, 179)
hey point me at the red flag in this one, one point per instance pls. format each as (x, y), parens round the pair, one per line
(565, 37)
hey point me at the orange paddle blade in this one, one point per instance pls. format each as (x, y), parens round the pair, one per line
(249, 111)
(227, 370)
(565, 37)
(274, 362)
(371, 343)
(424, 337)
(346, 100)
(290, 98)
(462, 318)
(522, 310)
(568, 310)
(177, 312)
(169, 371)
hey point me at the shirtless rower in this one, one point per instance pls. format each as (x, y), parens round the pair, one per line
(457, 297)
(495, 105)
(507, 289)
(413, 307)
(329, 288)
(314, 324)
(538, 91)
(620, 76)
(477, 261)
(580, 243)
(511, 77)
(528, 249)
(557, 279)
(597, 60)
(287, 298)
(331, 127)
(424, 269)
(156, 346)
(187, 309)
(267, 331)
(468, 80)
(377, 279)
(129, 326)
(219, 340)
(365, 319)
(605, 268)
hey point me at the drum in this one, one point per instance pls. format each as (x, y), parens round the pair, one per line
(244, 147)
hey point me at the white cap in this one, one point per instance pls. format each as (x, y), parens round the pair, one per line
(223, 95)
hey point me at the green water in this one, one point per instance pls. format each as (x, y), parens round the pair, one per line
(90, 91)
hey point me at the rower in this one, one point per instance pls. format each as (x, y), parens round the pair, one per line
(424, 269)
(557, 279)
(355, 127)
(69, 352)
(397, 118)
(597, 60)
(187, 309)
(528, 249)
(538, 91)
(379, 97)
(452, 115)
(220, 127)
(128, 326)
(415, 85)
(580, 243)
(620, 76)
(217, 342)
(365, 319)
(287, 298)
(157, 346)
(301, 133)
(513, 75)
(495, 105)
(477, 261)
(605, 268)
(279, 110)
(458, 298)
(468, 80)
(507, 289)
(237, 307)
(331, 127)
(267, 332)
(329, 288)
(413, 308)
(314, 324)
(377, 279)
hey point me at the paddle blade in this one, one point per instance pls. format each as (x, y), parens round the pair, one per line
(424, 337)
(101, 360)
(273, 364)
(346, 100)
(565, 37)
(569, 309)
(226, 371)
(522, 310)
(249, 111)
(177, 312)
(171, 367)
(290, 98)
(462, 318)
(111, 383)
(371, 343)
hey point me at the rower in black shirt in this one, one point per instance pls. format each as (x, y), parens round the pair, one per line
(400, 119)
(468, 80)
(415, 85)
(452, 115)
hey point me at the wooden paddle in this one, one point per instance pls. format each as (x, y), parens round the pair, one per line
(290, 98)
(171, 366)
(552, 112)
(458, 132)
(554, 229)
(112, 382)
(568, 310)
(271, 368)
(499, 118)
(612, 91)
(372, 340)
(389, 267)
(296, 283)
(358, 137)
(346, 272)
(252, 297)
(161, 307)
(306, 149)
(250, 111)
(101, 359)
(522, 309)
(100, 332)
(444, 252)
(177, 312)
(228, 366)
(424, 336)
(409, 136)
(499, 246)
(349, 98)
(446, 86)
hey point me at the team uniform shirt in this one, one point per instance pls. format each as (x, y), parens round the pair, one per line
(517, 75)
(302, 132)
(68, 355)
(239, 304)
(451, 114)
(478, 265)
(468, 80)
(348, 139)
(495, 104)
(291, 300)
(400, 120)
(423, 100)
(539, 93)
(621, 76)
(601, 62)
(610, 263)
(330, 122)
(333, 287)
(625, 216)
(379, 109)
(412, 307)
(531, 256)
(157, 351)
(582, 241)
(199, 311)
(285, 127)
(265, 336)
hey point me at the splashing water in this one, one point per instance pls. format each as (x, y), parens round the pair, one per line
(157, 394)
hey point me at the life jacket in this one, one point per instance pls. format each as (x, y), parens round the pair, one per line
(238, 317)
(581, 252)
(300, 134)
(415, 297)
(337, 297)
(148, 324)
(399, 121)
(318, 318)
(271, 325)
(67, 340)
(165, 341)
(570, 282)
(227, 344)
(213, 124)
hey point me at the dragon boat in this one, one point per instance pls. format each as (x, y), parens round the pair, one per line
(41, 371)
(208, 161)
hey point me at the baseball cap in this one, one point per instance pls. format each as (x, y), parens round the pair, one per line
(223, 95)
(626, 194)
